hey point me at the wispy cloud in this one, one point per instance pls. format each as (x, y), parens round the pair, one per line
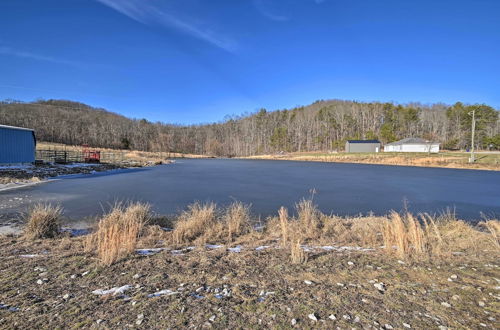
(20, 53)
(149, 14)
(263, 7)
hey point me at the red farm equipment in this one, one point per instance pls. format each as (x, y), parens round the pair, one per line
(90, 155)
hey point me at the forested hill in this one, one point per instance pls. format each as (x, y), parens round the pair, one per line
(323, 125)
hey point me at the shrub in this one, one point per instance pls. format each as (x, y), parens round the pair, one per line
(43, 221)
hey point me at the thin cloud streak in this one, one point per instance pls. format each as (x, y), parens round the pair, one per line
(19, 53)
(147, 14)
(262, 8)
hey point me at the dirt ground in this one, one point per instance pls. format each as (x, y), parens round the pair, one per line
(50, 283)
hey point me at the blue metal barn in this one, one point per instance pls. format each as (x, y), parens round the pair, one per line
(17, 145)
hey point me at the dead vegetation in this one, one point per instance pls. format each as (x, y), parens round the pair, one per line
(43, 221)
(117, 233)
(204, 223)
(402, 235)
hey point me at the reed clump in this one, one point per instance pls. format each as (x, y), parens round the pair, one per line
(202, 223)
(117, 233)
(43, 221)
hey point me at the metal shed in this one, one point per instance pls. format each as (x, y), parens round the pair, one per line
(17, 145)
(362, 146)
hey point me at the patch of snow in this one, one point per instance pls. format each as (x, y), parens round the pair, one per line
(29, 255)
(236, 249)
(210, 246)
(165, 292)
(148, 252)
(8, 307)
(263, 247)
(114, 291)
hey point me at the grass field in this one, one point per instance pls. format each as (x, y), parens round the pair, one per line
(484, 160)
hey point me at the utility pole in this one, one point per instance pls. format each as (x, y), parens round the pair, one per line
(473, 113)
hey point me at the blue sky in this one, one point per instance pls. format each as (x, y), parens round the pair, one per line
(192, 61)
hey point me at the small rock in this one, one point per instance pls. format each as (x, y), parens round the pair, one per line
(455, 297)
(66, 296)
(481, 303)
(406, 325)
(75, 276)
(401, 262)
(99, 321)
(136, 276)
(356, 319)
(140, 316)
(44, 274)
(212, 318)
(388, 326)
(453, 277)
(85, 273)
(346, 317)
(350, 263)
(294, 322)
(445, 304)
(312, 316)
(308, 282)
(139, 322)
(40, 282)
(332, 317)
(380, 286)
(442, 327)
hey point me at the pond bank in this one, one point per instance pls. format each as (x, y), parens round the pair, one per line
(454, 160)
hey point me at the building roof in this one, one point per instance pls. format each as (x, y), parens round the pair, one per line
(14, 127)
(363, 141)
(410, 141)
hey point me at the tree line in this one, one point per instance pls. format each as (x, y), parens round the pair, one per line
(323, 125)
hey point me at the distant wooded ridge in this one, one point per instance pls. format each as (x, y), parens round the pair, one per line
(323, 125)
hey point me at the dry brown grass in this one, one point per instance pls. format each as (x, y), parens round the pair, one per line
(493, 226)
(407, 237)
(297, 254)
(117, 232)
(203, 223)
(194, 222)
(43, 221)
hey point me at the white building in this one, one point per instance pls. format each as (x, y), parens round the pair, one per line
(412, 145)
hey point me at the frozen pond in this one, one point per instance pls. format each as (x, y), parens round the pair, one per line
(344, 189)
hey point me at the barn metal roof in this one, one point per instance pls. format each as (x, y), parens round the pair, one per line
(363, 141)
(409, 141)
(14, 127)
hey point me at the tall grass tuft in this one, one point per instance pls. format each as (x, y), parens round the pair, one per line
(297, 254)
(284, 225)
(43, 221)
(202, 223)
(194, 222)
(237, 220)
(493, 227)
(117, 232)
(404, 235)
(309, 218)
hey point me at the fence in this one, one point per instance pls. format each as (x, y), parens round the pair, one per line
(75, 156)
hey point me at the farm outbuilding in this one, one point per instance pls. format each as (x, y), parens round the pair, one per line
(17, 145)
(412, 145)
(362, 146)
